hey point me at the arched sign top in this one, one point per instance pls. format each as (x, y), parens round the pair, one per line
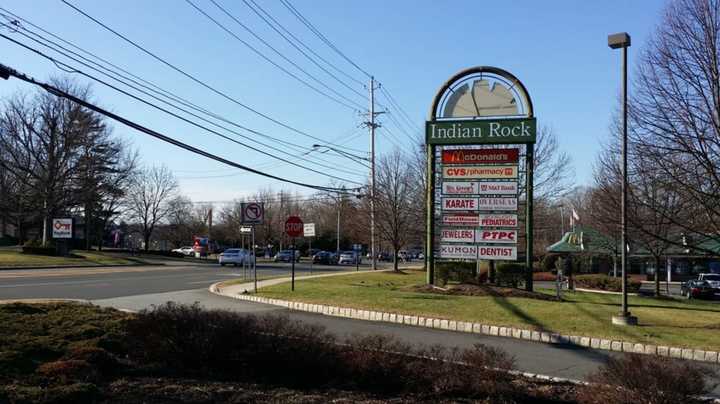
(482, 92)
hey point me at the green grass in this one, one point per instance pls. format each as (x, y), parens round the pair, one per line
(670, 322)
(12, 258)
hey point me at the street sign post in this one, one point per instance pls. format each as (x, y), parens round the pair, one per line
(358, 249)
(252, 213)
(309, 231)
(293, 228)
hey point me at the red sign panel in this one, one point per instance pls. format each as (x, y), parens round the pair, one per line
(480, 156)
(461, 219)
(496, 236)
(294, 226)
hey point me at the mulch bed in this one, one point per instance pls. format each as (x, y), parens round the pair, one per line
(483, 290)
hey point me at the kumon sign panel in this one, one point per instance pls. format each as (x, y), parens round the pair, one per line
(497, 204)
(480, 172)
(480, 156)
(485, 131)
(497, 220)
(496, 236)
(496, 253)
(461, 219)
(459, 251)
(457, 235)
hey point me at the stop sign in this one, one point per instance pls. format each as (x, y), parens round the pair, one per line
(294, 226)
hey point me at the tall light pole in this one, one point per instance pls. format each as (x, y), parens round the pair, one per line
(617, 41)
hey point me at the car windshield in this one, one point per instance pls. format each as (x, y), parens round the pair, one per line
(288, 252)
(231, 251)
(711, 277)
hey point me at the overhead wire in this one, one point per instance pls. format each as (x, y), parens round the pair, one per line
(272, 62)
(59, 93)
(264, 15)
(71, 69)
(322, 37)
(189, 76)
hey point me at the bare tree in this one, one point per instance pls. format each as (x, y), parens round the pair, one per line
(394, 201)
(149, 197)
(675, 110)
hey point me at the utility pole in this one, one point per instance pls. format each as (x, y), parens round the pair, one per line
(372, 126)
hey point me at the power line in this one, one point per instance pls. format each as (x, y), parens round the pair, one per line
(262, 55)
(255, 7)
(70, 69)
(322, 37)
(191, 77)
(151, 87)
(6, 71)
(402, 111)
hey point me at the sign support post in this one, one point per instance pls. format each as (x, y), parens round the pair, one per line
(292, 258)
(254, 258)
(430, 215)
(529, 167)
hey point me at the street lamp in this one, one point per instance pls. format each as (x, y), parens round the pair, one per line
(360, 159)
(617, 41)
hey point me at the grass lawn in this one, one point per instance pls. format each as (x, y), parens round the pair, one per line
(13, 258)
(670, 322)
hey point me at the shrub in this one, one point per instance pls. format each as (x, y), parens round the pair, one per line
(646, 379)
(604, 282)
(548, 262)
(510, 274)
(71, 369)
(544, 276)
(102, 360)
(463, 272)
(34, 249)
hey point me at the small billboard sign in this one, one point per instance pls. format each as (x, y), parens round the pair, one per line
(480, 156)
(252, 213)
(497, 204)
(480, 172)
(459, 251)
(497, 253)
(479, 188)
(496, 236)
(309, 230)
(62, 228)
(457, 235)
(461, 219)
(497, 220)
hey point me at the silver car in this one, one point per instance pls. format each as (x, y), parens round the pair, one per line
(350, 257)
(235, 256)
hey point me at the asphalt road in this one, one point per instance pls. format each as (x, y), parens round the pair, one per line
(137, 288)
(103, 283)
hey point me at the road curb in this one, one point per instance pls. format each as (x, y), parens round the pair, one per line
(588, 342)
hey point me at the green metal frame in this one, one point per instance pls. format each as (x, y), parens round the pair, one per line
(529, 165)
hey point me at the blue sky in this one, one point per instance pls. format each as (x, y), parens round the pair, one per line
(557, 48)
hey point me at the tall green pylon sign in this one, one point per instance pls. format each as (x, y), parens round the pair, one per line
(480, 143)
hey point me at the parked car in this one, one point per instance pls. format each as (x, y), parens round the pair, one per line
(234, 256)
(697, 289)
(324, 257)
(286, 256)
(712, 279)
(350, 257)
(404, 256)
(187, 251)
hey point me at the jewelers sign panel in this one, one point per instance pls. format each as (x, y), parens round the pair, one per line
(479, 199)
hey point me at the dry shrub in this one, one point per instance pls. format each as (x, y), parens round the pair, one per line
(67, 370)
(102, 360)
(646, 379)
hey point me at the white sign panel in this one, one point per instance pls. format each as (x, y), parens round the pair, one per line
(62, 228)
(461, 219)
(497, 203)
(480, 172)
(459, 203)
(252, 213)
(309, 230)
(245, 229)
(497, 220)
(457, 235)
(496, 236)
(459, 251)
(497, 253)
(497, 187)
(479, 187)
(460, 188)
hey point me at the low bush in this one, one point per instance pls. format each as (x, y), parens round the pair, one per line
(187, 340)
(547, 263)
(49, 251)
(463, 272)
(646, 379)
(69, 370)
(605, 282)
(510, 274)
